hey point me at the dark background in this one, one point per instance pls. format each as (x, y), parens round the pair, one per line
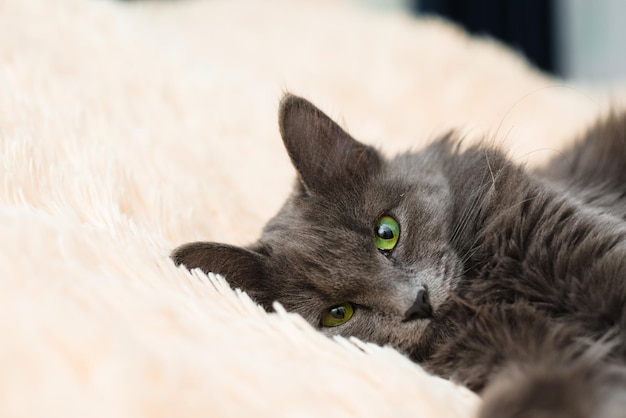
(526, 25)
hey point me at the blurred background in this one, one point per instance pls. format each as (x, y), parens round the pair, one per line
(580, 40)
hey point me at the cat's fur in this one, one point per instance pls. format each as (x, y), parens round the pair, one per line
(524, 272)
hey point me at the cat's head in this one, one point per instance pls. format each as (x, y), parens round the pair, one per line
(362, 245)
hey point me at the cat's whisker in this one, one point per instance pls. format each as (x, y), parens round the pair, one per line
(493, 178)
(521, 202)
(558, 152)
(540, 90)
(464, 260)
(468, 211)
(599, 350)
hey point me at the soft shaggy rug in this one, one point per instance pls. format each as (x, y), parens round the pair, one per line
(128, 129)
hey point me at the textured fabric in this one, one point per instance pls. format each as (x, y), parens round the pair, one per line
(127, 129)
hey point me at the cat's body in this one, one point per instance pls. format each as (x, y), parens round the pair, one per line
(594, 169)
(464, 261)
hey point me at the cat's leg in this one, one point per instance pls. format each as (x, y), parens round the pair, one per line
(528, 365)
(561, 389)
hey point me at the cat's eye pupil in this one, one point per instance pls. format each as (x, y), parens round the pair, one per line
(338, 312)
(384, 232)
(337, 315)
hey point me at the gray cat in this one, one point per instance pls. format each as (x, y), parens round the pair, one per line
(510, 282)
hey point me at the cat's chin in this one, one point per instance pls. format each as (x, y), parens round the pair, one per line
(410, 336)
(431, 335)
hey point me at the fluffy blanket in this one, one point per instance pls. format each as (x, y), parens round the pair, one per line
(127, 129)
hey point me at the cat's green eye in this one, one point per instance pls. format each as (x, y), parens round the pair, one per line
(337, 315)
(386, 233)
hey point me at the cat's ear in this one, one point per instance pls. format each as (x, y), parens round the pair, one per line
(242, 268)
(322, 152)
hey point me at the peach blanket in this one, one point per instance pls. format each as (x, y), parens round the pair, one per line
(129, 128)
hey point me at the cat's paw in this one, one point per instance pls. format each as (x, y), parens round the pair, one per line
(557, 391)
(536, 394)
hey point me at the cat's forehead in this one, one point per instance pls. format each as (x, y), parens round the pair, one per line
(322, 230)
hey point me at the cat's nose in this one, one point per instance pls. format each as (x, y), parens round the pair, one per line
(421, 308)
